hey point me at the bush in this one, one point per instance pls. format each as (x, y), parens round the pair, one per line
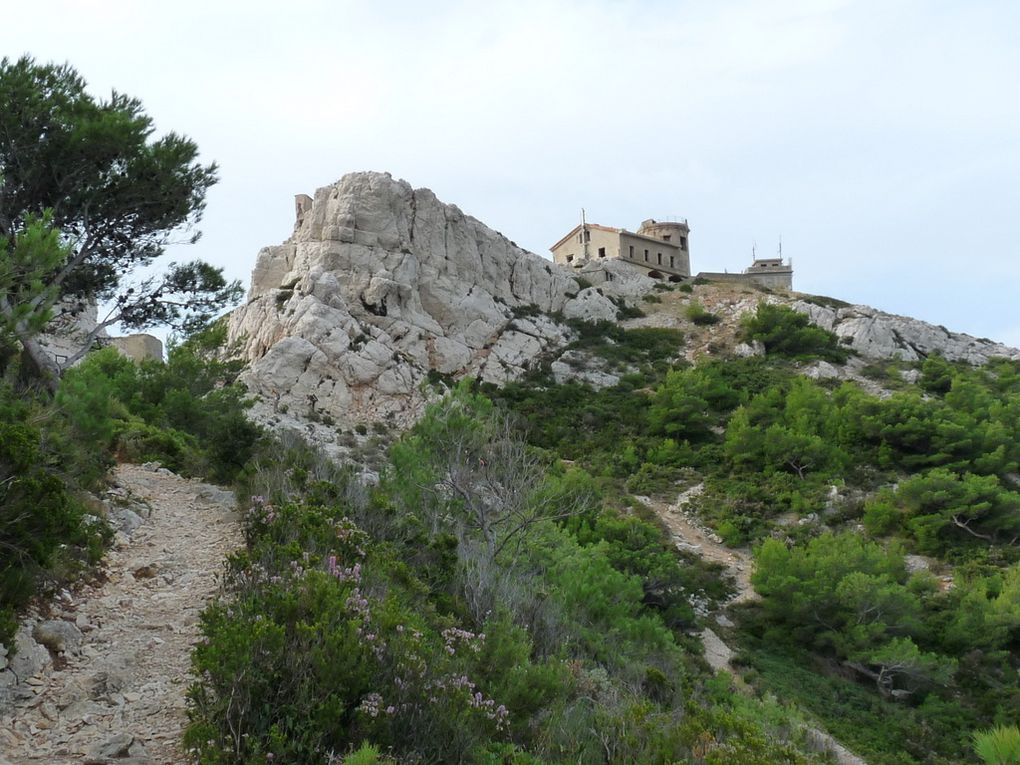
(138, 441)
(786, 332)
(643, 345)
(999, 746)
(697, 314)
(43, 526)
(188, 413)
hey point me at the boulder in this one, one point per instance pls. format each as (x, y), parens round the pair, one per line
(749, 350)
(118, 749)
(57, 635)
(125, 520)
(30, 658)
(590, 305)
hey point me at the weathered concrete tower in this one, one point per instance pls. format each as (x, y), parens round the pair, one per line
(675, 232)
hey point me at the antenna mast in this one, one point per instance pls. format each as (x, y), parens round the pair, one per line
(584, 234)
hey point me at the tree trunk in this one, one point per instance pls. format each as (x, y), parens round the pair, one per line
(44, 366)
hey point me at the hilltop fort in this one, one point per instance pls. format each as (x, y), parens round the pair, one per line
(660, 249)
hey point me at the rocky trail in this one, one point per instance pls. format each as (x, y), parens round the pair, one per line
(691, 536)
(102, 677)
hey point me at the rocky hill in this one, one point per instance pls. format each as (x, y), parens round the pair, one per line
(381, 285)
(378, 285)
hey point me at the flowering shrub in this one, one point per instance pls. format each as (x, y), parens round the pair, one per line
(317, 649)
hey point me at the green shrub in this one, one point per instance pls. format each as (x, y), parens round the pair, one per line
(789, 333)
(138, 441)
(188, 413)
(998, 746)
(44, 528)
(642, 345)
(826, 302)
(697, 314)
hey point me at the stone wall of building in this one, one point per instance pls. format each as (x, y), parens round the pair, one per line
(140, 347)
(666, 257)
(782, 280)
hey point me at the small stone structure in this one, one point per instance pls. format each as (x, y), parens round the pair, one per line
(138, 347)
(771, 272)
(774, 273)
(660, 248)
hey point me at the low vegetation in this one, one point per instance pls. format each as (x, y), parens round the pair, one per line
(834, 487)
(786, 332)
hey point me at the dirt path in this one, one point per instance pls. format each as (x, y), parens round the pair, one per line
(117, 691)
(691, 536)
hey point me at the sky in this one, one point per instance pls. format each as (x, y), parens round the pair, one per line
(878, 139)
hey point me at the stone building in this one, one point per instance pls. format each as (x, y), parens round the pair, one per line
(774, 273)
(661, 248)
(771, 272)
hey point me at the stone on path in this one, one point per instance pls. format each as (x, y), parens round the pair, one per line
(57, 635)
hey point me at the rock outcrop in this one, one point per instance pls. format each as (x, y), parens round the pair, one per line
(878, 335)
(380, 284)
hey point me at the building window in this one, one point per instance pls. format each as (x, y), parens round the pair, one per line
(631, 252)
(587, 235)
(665, 237)
(660, 257)
(602, 252)
(672, 264)
(646, 256)
(683, 243)
(570, 258)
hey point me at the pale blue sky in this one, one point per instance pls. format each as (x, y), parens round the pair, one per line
(880, 139)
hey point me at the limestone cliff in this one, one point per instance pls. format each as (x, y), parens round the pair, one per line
(381, 283)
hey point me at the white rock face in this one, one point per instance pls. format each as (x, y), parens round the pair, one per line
(381, 283)
(615, 276)
(879, 335)
(590, 305)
